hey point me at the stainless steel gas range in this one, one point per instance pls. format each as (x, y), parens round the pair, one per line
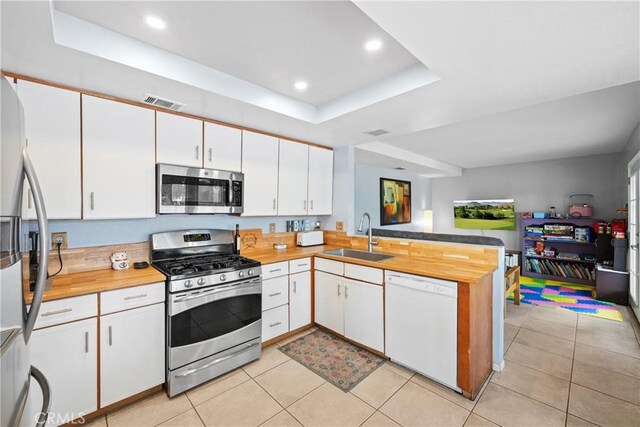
(214, 305)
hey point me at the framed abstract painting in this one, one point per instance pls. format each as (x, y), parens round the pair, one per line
(395, 201)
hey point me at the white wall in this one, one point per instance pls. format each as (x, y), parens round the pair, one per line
(535, 186)
(367, 195)
(343, 189)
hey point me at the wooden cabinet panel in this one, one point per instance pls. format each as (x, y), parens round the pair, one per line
(222, 147)
(320, 181)
(52, 128)
(260, 168)
(292, 178)
(178, 140)
(132, 352)
(118, 160)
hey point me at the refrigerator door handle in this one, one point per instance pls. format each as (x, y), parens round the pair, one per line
(46, 395)
(43, 268)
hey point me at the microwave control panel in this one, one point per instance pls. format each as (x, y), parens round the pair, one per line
(236, 187)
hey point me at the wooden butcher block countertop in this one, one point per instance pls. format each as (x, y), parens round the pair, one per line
(454, 270)
(90, 282)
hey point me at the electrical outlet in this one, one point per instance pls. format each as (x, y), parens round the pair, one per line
(272, 227)
(339, 225)
(60, 237)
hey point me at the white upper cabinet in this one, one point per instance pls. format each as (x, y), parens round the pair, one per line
(118, 160)
(292, 178)
(320, 181)
(260, 168)
(179, 140)
(52, 127)
(222, 147)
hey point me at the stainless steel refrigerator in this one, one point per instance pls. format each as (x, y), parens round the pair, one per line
(16, 321)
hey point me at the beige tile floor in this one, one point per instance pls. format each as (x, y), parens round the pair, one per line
(561, 369)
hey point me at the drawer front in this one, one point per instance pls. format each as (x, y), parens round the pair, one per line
(364, 274)
(275, 292)
(275, 322)
(329, 266)
(269, 271)
(137, 296)
(299, 265)
(67, 310)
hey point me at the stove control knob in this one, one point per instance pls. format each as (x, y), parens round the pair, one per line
(188, 284)
(250, 272)
(201, 282)
(223, 277)
(241, 274)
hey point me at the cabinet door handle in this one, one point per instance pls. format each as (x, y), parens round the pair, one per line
(311, 203)
(275, 295)
(91, 200)
(294, 287)
(110, 336)
(346, 292)
(210, 155)
(135, 296)
(51, 313)
(275, 271)
(29, 198)
(197, 152)
(339, 289)
(275, 324)
(86, 342)
(274, 204)
(305, 205)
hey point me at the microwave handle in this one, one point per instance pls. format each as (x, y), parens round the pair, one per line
(230, 195)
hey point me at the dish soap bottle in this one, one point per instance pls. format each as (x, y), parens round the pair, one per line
(237, 239)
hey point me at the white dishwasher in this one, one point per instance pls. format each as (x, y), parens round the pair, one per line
(422, 325)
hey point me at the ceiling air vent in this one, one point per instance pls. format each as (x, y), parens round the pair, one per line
(162, 103)
(400, 168)
(377, 132)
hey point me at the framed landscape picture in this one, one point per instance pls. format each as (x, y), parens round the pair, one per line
(395, 201)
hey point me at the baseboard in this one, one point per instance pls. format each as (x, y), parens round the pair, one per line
(498, 367)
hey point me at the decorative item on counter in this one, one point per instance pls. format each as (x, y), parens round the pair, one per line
(317, 226)
(119, 261)
(289, 226)
(307, 225)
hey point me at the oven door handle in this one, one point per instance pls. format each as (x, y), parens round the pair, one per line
(215, 291)
(218, 360)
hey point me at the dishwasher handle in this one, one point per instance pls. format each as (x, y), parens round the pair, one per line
(424, 285)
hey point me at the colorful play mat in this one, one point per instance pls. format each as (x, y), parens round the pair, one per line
(570, 296)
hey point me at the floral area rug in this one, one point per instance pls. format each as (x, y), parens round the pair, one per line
(574, 297)
(342, 364)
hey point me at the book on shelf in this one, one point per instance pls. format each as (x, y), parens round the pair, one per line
(560, 268)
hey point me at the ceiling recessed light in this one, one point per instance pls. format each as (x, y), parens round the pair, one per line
(301, 85)
(155, 22)
(373, 45)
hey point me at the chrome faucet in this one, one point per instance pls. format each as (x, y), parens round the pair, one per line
(370, 242)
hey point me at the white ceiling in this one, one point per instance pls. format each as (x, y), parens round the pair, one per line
(270, 43)
(511, 73)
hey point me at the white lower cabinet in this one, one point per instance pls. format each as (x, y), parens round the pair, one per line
(132, 352)
(67, 356)
(329, 301)
(275, 322)
(363, 314)
(351, 308)
(299, 300)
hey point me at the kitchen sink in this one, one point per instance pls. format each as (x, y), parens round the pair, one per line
(365, 256)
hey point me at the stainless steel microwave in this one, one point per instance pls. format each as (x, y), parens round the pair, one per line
(198, 191)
